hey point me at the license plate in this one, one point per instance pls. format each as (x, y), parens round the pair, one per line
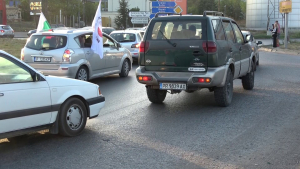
(42, 59)
(172, 86)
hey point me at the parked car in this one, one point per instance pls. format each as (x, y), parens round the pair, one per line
(29, 33)
(129, 39)
(192, 52)
(68, 53)
(254, 45)
(6, 31)
(31, 102)
(106, 30)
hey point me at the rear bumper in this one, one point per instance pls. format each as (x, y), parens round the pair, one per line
(63, 70)
(96, 104)
(216, 74)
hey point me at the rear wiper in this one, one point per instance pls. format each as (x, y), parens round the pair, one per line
(48, 48)
(173, 44)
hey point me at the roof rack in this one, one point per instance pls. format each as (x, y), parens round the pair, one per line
(214, 13)
(156, 15)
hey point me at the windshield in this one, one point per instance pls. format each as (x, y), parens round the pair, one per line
(124, 37)
(46, 42)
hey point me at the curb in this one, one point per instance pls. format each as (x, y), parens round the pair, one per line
(280, 51)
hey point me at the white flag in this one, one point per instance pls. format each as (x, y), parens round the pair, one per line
(97, 44)
(43, 23)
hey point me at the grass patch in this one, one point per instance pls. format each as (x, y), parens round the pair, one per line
(23, 26)
(12, 46)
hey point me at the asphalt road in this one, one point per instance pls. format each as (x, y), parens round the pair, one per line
(261, 128)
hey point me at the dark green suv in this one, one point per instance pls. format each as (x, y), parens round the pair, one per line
(192, 52)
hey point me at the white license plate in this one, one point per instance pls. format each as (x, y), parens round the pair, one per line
(172, 86)
(196, 69)
(42, 59)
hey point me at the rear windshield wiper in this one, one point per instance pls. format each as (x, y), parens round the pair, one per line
(173, 44)
(48, 48)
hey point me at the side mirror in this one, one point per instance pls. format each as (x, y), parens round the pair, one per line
(34, 76)
(119, 45)
(259, 43)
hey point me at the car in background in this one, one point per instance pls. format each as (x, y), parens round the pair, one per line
(31, 102)
(68, 53)
(106, 30)
(127, 29)
(53, 26)
(142, 33)
(6, 31)
(254, 45)
(129, 39)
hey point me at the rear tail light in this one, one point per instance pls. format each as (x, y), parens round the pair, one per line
(22, 54)
(201, 80)
(135, 45)
(145, 78)
(2, 31)
(209, 47)
(144, 46)
(67, 57)
(99, 91)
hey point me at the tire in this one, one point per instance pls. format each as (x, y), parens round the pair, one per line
(125, 69)
(82, 74)
(156, 96)
(257, 63)
(223, 95)
(248, 80)
(72, 118)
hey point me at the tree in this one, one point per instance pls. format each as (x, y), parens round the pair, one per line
(122, 19)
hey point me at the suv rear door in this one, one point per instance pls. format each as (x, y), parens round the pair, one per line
(175, 45)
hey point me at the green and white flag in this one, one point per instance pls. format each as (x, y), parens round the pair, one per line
(43, 23)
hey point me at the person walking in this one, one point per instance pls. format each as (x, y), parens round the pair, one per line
(278, 32)
(274, 35)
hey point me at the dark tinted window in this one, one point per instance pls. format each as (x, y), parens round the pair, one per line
(218, 29)
(177, 30)
(229, 31)
(124, 37)
(46, 42)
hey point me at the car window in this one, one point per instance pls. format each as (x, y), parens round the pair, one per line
(46, 42)
(177, 30)
(218, 29)
(108, 41)
(124, 37)
(229, 31)
(12, 73)
(138, 36)
(238, 34)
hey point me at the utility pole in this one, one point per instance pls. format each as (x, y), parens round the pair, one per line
(286, 30)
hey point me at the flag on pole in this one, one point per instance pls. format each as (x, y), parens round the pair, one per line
(43, 23)
(97, 44)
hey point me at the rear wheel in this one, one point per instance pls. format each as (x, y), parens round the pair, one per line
(156, 95)
(248, 80)
(82, 74)
(223, 95)
(125, 69)
(72, 117)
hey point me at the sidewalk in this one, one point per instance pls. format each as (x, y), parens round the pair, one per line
(21, 35)
(269, 41)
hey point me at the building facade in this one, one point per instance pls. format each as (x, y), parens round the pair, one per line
(261, 14)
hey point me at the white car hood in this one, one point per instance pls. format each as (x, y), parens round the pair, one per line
(54, 81)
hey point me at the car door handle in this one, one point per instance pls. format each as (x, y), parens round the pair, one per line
(230, 49)
(1, 94)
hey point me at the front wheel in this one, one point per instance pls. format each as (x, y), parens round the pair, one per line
(156, 95)
(125, 69)
(223, 95)
(248, 80)
(72, 117)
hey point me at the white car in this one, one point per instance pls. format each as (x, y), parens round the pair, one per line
(30, 101)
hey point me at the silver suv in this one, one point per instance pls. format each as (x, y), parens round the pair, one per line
(68, 53)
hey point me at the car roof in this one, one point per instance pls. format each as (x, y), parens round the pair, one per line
(126, 31)
(191, 17)
(74, 32)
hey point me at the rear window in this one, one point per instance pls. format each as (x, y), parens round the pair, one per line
(46, 42)
(124, 37)
(177, 30)
(6, 27)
